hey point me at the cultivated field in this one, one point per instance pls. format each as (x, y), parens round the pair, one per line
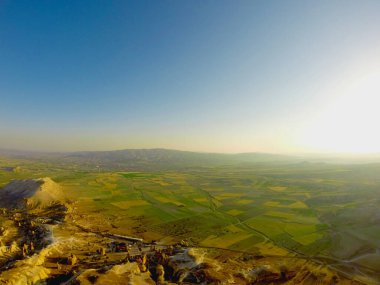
(323, 212)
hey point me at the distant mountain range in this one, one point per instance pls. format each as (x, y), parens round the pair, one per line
(147, 158)
(166, 159)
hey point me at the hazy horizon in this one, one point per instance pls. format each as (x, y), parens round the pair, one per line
(360, 156)
(224, 77)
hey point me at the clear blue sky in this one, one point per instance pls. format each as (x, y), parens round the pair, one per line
(223, 76)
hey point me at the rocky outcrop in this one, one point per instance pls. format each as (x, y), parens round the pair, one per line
(26, 272)
(127, 273)
(30, 193)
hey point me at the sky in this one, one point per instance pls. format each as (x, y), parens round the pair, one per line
(214, 76)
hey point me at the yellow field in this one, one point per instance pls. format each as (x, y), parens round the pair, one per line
(272, 204)
(233, 229)
(225, 240)
(266, 248)
(308, 239)
(160, 182)
(295, 205)
(224, 196)
(130, 203)
(234, 212)
(278, 188)
(243, 202)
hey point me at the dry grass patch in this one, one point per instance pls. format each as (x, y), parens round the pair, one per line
(243, 202)
(226, 240)
(278, 188)
(234, 212)
(298, 205)
(130, 203)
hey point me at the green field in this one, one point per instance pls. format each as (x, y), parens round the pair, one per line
(313, 209)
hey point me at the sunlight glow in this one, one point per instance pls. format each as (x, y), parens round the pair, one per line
(350, 123)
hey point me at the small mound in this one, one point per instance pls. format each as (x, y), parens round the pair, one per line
(30, 193)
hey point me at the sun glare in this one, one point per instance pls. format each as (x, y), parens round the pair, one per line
(349, 123)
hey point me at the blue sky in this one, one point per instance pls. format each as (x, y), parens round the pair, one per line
(223, 76)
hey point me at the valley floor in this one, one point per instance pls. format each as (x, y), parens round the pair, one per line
(288, 224)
